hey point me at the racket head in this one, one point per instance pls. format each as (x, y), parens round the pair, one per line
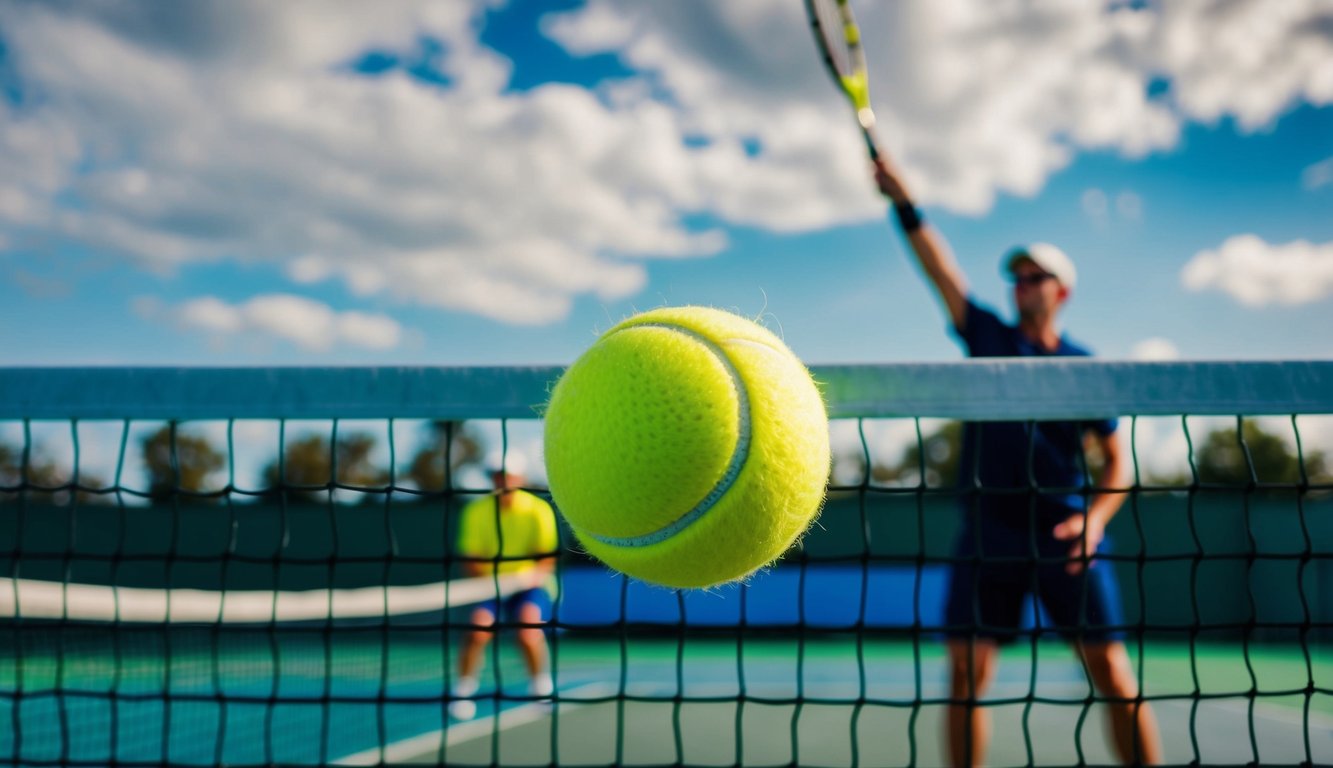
(839, 39)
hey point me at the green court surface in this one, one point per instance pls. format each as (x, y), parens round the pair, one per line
(365, 697)
(885, 715)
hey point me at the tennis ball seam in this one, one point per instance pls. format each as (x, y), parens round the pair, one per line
(739, 454)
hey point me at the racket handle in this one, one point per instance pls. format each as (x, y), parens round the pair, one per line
(871, 145)
(866, 119)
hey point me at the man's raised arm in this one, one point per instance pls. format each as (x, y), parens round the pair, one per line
(931, 250)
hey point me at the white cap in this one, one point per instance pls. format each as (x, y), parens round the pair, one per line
(1051, 260)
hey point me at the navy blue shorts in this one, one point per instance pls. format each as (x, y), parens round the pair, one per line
(986, 598)
(512, 603)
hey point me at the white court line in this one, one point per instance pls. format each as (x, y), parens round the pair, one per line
(1266, 710)
(41, 599)
(509, 718)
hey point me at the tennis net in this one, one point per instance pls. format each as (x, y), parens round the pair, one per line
(258, 566)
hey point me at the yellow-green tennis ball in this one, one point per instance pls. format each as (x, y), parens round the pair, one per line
(687, 447)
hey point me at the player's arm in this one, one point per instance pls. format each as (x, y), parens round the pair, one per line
(475, 564)
(476, 567)
(1114, 480)
(544, 564)
(1085, 532)
(931, 251)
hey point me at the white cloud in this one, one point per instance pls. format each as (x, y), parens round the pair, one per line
(1318, 175)
(1095, 205)
(225, 131)
(886, 440)
(1252, 60)
(368, 331)
(232, 131)
(1162, 447)
(1316, 434)
(308, 324)
(212, 315)
(1256, 273)
(1129, 206)
(975, 97)
(599, 28)
(1155, 348)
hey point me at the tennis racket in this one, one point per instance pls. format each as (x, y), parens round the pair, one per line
(839, 41)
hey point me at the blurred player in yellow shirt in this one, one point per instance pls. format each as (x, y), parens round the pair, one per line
(510, 532)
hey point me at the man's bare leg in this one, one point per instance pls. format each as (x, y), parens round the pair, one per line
(971, 669)
(1133, 726)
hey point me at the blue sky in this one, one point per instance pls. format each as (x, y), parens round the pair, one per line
(495, 183)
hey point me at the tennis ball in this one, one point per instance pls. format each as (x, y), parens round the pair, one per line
(687, 447)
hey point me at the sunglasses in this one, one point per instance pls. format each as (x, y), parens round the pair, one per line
(1032, 280)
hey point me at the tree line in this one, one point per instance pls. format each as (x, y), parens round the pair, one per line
(1224, 457)
(184, 466)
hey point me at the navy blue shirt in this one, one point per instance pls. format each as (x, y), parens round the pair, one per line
(995, 454)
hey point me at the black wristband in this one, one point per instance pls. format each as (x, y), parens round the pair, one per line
(909, 218)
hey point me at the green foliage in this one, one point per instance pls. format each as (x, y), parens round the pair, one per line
(1235, 458)
(178, 462)
(180, 466)
(42, 480)
(39, 472)
(1219, 457)
(449, 446)
(306, 472)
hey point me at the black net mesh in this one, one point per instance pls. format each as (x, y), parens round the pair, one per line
(255, 592)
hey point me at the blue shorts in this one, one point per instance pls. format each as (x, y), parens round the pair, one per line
(986, 597)
(511, 604)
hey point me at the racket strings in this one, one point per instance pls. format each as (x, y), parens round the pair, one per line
(839, 35)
